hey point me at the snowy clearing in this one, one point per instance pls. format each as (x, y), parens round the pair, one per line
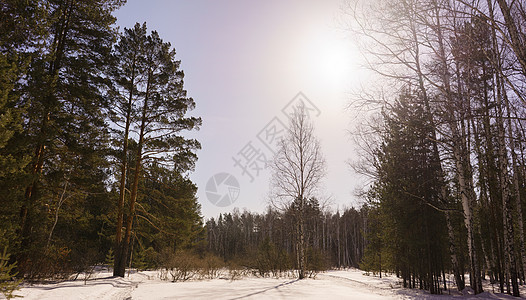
(345, 284)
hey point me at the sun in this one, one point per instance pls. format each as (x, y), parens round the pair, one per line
(333, 60)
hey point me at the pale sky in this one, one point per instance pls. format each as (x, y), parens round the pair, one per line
(244, 61)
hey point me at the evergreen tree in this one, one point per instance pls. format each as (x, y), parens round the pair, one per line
(60, 49)
(60, 84)
(412, 230)
(168, 211)
(8, 284)
(151, 100)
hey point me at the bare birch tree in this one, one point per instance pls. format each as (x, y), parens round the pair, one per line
(298, 168)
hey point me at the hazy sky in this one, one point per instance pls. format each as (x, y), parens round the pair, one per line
(244, 61)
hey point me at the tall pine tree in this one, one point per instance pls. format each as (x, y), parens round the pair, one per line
(151, 102)
(406, 195)
(64, 46)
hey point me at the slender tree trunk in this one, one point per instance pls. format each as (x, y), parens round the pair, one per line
(58, 47)
(516, 187)
(453, 252)
(301, 244)
(507, 261)
(436, 157)
(516, 45)
(120, 260)
(509, 243)
(135, 184)
(59, 204)
(462, 162)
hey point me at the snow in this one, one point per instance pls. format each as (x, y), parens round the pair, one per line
(337, 284)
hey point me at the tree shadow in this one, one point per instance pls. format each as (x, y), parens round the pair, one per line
(266, 290)
(116, 282)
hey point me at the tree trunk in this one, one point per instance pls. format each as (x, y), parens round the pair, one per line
(302, 251)
(462, 162)
(516, 187)
(515, 44)
(118, 269)
(436, 157)
(135, 184)
(38, 159)
(453, 253)
(507, 207)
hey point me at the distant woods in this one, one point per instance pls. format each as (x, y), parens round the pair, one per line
(269, 242)
(445, 151)
(93, 160)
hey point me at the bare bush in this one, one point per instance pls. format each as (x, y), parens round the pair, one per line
(186, 265)
(211, 267)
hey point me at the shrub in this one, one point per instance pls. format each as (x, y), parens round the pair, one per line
(317, 261)
(51, 263)
(211, 266)
(271, 261)
(146, 259)
(182, 265)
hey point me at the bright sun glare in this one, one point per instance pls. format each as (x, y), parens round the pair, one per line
(333, 58)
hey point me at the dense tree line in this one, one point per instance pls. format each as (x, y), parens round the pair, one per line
(91, 123)
(331, 239)
(447, 156)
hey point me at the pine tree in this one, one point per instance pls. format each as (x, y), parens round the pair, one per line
(63, 126)
(168, 211)
(16, 31)
(406, 195)
(151, 100)
(8, 283)
(110, 258)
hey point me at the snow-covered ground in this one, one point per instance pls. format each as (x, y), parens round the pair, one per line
(345, 284)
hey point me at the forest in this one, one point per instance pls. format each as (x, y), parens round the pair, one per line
(444, 147)
(95, 158)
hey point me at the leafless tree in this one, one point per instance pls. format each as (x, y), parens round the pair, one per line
(298, 168)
